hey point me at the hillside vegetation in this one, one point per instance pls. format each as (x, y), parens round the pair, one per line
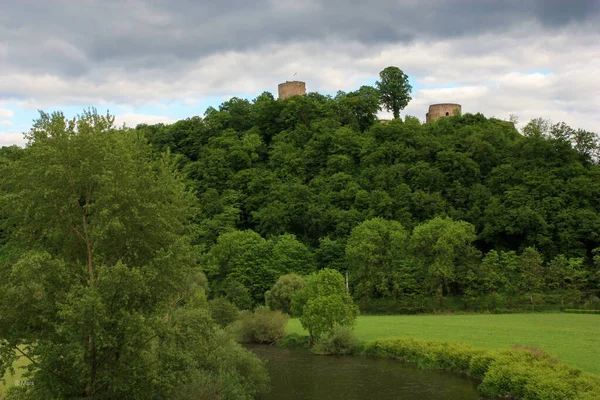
(463, 213)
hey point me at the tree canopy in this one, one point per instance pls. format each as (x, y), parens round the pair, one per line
(98, 275)
(394, 90)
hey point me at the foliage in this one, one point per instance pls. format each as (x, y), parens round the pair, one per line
(517, 373)
(240, 256)
(395, 90)
(99, 287)
(222, 311)
(376, 253)
(324, 303)
(294, 340)
(281, 294)
(283, 183)
(341, 341)
(573, 311)
(260, 326)
(443, 246)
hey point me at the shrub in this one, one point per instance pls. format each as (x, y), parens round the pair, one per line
(341, 341)
(321, 314)
(222, 311)
(524, 373)
(294, 340)
(323, 303)
(260, 326)
(281, 294)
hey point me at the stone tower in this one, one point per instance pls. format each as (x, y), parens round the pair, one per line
(442, 110)
(293, 88)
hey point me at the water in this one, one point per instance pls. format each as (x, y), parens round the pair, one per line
(298, 375)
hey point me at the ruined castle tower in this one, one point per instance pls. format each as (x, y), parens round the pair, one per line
(291, 88)
(442, 110)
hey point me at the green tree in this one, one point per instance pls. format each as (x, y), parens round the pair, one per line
(375, 251)
(394, 90)
(289, 255)
(240, 256)
(98, 278)
(444, 246)
(532, 270)
(281, 294)
(324, 303)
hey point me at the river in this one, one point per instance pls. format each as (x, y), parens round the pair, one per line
(297, 374)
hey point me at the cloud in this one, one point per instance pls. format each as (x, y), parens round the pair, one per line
(10, 138)
(147, 56)
(5, 122)
(4, 113)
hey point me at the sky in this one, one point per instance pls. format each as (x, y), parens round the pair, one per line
(165, 60)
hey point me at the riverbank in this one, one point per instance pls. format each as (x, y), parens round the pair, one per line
(572, 338)
(515, 373)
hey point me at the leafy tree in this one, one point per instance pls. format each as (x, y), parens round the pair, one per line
(394, 90)
(363, 105)
(289, 255)
(243, 257)
(375, 251)
(98, 279)
(532, 270)
(324, 303)
(281, 294)
(222, 311)
(444, 247)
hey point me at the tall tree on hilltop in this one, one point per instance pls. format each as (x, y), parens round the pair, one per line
(395, 90)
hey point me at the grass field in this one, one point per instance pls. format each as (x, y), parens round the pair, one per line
(10, 380)
(572, 338)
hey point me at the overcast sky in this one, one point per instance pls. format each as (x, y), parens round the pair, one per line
(153, 61)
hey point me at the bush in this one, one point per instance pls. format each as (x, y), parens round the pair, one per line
(222, 311)
(321, 314)
(260, 326)
(341, 341)
(525, 373)
(323, 303)
(294, 340)
(281, 294)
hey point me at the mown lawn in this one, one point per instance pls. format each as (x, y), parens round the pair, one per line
(572, 338)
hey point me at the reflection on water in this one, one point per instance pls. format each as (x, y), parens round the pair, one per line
(298, 375)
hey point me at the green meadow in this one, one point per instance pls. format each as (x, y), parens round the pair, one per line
(572, 338)
(11, 380)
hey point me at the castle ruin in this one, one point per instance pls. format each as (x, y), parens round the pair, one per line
(442, 110)
(291, 88)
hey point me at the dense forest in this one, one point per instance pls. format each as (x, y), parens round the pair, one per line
(465, 213)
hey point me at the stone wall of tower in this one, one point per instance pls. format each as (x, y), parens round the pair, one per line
(442, 110)
(291, 88)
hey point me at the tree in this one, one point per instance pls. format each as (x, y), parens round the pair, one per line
(443, 245)
(395, 90)
(289, 255)
(324, 303)
(281, 294)
(242, 257)
(98, 284)
(375, 250)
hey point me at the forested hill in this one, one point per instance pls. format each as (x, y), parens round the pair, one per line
(316, 167)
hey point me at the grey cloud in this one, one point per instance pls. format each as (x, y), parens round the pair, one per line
(70, 38)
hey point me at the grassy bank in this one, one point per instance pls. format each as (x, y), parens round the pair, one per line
(11, 380)
(572, 338)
